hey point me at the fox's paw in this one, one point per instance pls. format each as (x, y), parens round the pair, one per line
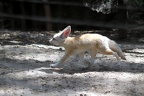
(53, 65)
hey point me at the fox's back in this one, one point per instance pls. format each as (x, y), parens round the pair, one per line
(86, 41)
(89, 39)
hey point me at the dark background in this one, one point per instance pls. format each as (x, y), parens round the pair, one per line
(125, 18)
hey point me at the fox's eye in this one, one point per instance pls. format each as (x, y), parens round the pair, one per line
(53, 38)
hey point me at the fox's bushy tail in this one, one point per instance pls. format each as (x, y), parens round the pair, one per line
(121, 54)
(114, 46)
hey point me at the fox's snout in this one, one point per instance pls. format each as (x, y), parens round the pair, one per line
(50, 41)
(53, 42)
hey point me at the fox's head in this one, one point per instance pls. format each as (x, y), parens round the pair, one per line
(59, 38)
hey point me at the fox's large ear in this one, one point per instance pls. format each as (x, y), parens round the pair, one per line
(66, 32)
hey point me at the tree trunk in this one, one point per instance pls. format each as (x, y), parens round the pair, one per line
(48, 16)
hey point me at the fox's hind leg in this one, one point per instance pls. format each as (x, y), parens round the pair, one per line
(110, 52)
(105, 49)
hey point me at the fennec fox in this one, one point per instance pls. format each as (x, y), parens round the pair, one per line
(92, 43)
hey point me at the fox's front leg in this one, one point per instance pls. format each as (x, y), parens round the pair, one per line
(81, 57)
(68, 53)
(93, 53)
(81, 63)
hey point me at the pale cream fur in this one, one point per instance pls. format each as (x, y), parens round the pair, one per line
(93, 43)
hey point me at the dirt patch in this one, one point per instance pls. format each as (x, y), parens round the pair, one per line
(25, 71)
